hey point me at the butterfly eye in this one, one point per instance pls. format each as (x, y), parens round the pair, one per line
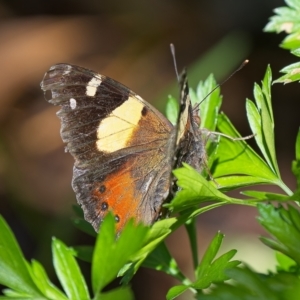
(104, 206)
(117, 218)
(102, 189)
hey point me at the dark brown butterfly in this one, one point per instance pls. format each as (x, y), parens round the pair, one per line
(124, 148)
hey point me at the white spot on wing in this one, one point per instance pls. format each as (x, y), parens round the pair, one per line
(73, 103)
(66, 72)
(91, 88)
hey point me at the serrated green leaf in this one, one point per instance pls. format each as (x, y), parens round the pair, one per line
(211, 270)
(273, 244)
(111, 253)
(252, 282)
(210, 254)
(14, 271)
(249, 285)
(281, 225)
(295, 217)
(293, 3)
(215, 274)
(286, 19)
(68, 271)
(175, 291)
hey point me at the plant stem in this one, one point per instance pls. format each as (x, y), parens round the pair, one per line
(285, 188)
(191, 229)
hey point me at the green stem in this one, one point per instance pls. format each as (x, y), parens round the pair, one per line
(180, 277)
(242, 202)
(191, 228)
(285, 188)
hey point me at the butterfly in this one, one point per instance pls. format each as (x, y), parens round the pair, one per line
(124, 148)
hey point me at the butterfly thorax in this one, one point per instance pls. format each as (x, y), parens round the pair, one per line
(191, 147)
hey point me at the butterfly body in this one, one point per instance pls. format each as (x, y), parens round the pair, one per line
(124, 149)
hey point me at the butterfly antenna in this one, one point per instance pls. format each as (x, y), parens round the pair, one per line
(218, 85)
(172, 47)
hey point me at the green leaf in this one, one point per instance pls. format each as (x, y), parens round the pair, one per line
(286, 18)
(232, 182)
(161, 260)
(78, 211)
(195, 190)
(210, 105)
(172, 109)
(14, 270)
(16, 295)
(252, 282)
(211, 270)
(237, 157)
(112, 253)
(210, 254)
(84, 226)
(298, 146)
(84, 253)
(158, 232)
(265, 134)
(292, 73)
(296, 162)
(285, 263)
(122, 293)
(68, 271)
(291, 42)
(284, 226)
(42, 281)
(248, 285)
(175, 291)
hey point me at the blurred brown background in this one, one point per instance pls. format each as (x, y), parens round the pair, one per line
(128, 41)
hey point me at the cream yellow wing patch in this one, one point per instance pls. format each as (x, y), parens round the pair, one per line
(116, 129)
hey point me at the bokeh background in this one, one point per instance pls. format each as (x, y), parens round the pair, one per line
(129, 41)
